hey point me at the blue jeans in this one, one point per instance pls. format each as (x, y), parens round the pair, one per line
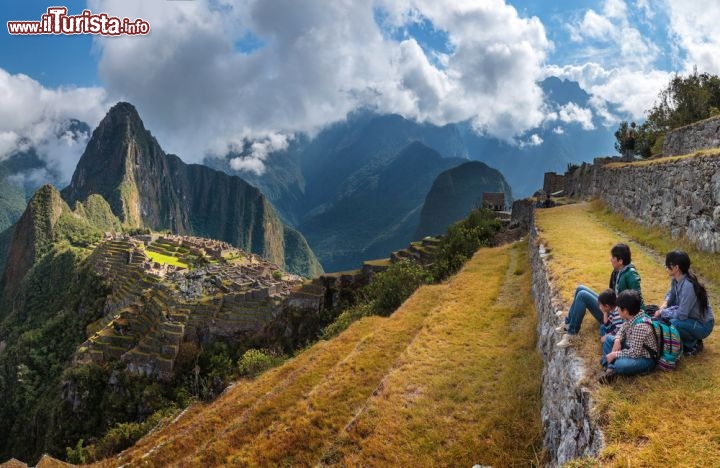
(607, 346)
(631, 366)
(692, 330)
(624, 365)
(585, 298)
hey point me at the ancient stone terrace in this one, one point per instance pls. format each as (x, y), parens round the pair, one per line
(422, 251)
(168, 289)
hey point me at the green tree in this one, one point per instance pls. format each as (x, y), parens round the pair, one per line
(685, 100)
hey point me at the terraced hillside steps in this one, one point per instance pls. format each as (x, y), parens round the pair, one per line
(451, 379)
(662, 419)
(154, 304)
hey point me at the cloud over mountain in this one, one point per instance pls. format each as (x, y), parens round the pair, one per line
(312, 62)
(32, 116)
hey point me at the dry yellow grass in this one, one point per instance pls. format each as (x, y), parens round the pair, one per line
(466, 390)
(664, 419)
(708, 153)
(451, 378)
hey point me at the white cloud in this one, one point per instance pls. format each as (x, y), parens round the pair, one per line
(694, 25)
(647, 10)
(254, 159)
(32, 115)
(616, 9)
(534, 140)
(617, 63)
(629, 92)
(571, 112)
(593, 26)
(610, 35)
(319, 60)
(558, 130)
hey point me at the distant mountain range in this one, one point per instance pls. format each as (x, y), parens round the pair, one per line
(357, 189)
(327, 186)
(324, 186)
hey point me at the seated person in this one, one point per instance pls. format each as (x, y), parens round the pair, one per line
(624, 276)
(611, 321)
(686, 304)
(635, 342)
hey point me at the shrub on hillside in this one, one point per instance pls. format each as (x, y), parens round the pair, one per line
(346, 318)
(256, 361)
(118, 438)
(462, 240)
(388, 289)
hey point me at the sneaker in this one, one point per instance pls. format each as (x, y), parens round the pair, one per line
(568, 340)
(694, 351)
(561, 329)
(608, 377)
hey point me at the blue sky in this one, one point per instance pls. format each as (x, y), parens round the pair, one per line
(70, 61)
(52, 60)
(215, 74)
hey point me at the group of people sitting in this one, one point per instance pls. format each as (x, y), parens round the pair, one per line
(629, 345)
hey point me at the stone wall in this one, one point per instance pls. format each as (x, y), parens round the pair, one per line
(691, 138)
(568, 429)
(522, 214)
(682, 196)
(553, 182)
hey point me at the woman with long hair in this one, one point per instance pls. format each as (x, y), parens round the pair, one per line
(686, 304)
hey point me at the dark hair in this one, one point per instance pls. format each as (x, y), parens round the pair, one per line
(622, 252)
(682, 260)
(630, 301)
(607, 298)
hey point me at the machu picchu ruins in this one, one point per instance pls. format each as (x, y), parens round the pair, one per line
(165, 289)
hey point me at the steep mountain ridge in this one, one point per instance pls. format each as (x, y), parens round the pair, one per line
(378, 209)
(145, 187)
(34, 232)
(457, 191)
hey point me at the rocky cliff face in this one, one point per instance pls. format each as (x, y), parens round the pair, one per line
(455, 193)
(147, 188)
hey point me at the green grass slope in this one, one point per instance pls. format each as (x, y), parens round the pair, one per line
(451, 378)
(665, 418)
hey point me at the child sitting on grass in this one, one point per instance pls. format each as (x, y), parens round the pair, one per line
(634, 344)
(607, 302)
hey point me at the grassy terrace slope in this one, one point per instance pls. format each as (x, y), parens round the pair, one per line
(664, 419)
(450, 379)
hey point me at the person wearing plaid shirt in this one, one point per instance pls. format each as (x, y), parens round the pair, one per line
(635, 341)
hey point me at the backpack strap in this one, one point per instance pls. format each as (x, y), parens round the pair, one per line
(659, 341)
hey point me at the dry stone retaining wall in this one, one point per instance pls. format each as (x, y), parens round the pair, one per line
(682, 196)
(691, 138)
(569, 431)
